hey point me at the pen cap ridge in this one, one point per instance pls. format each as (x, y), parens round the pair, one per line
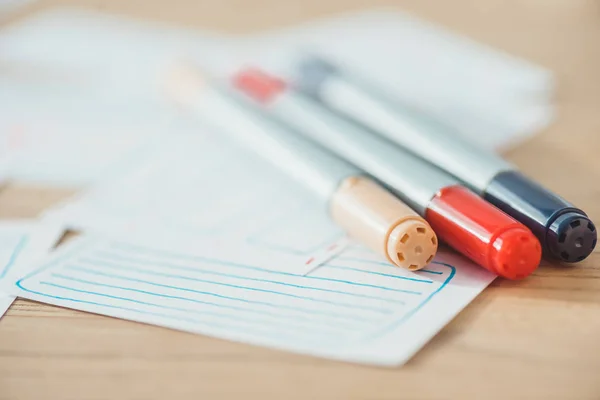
(565, 232)
(375, 217)
(571, 237)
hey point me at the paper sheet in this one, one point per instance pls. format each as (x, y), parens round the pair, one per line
(76, 103)
(94, 51)
(354, 308)
(21, 243)
(60, 140)
(196, 191)
(494, 99)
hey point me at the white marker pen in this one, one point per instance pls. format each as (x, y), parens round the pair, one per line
(367, 211)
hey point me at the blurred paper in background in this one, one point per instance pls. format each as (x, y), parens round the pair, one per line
(80, 94)
(494, 99)
(72, 73)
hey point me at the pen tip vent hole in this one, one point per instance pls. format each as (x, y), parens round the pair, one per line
(429, 259)
(575, 224)
(562, 237)
(418, 250)
(401, 257)
(412, 267)
(421, 230)
(580, 258)
(564, 255)
(524, 239)
(405, 238)
(591, 227)
(434, 240)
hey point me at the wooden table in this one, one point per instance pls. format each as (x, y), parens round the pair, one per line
(533, 339)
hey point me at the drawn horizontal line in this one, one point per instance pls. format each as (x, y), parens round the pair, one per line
(77, 268)
(428, 271)
(129, 289)
(187, 319)
(236, 265)
(104, 256)
(379, 273)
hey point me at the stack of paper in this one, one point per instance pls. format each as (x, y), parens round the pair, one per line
(463, 83)
(22, 243)
(186, 230)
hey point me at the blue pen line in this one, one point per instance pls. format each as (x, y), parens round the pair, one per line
(412, 312)
(13, 256)
(378, 273)
(192, 320)
(428, 271)
(386, 264)
(74, 250)
(235, 265)
(295, 296)
(220, 296)
(245, 310)
(235, 317)
(208, 272)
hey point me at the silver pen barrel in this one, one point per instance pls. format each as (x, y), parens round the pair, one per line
(412, 179)
(362, 207)
(224, 109)
(399, 123)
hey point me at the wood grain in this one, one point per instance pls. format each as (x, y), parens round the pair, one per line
(536, 339)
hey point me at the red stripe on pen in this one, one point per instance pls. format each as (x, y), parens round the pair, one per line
(261, 86)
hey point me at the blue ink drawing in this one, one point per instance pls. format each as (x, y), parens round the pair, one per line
(104, 263)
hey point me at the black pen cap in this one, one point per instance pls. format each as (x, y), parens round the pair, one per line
(565, 232)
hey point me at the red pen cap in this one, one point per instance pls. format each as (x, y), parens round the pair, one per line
(488, 236)
(260, 85)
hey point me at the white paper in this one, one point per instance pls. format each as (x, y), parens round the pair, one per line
(492, 98)
(5, 302)
(198, 192)
(113, 58)
(60, 140)
(81, 93)
(79, 66)
(21, 243)
(354, 308)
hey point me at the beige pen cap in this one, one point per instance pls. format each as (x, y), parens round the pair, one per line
(376, 218)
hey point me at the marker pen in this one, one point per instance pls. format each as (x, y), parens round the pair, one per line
(367, 211)
(565, 232)
(459, 217)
